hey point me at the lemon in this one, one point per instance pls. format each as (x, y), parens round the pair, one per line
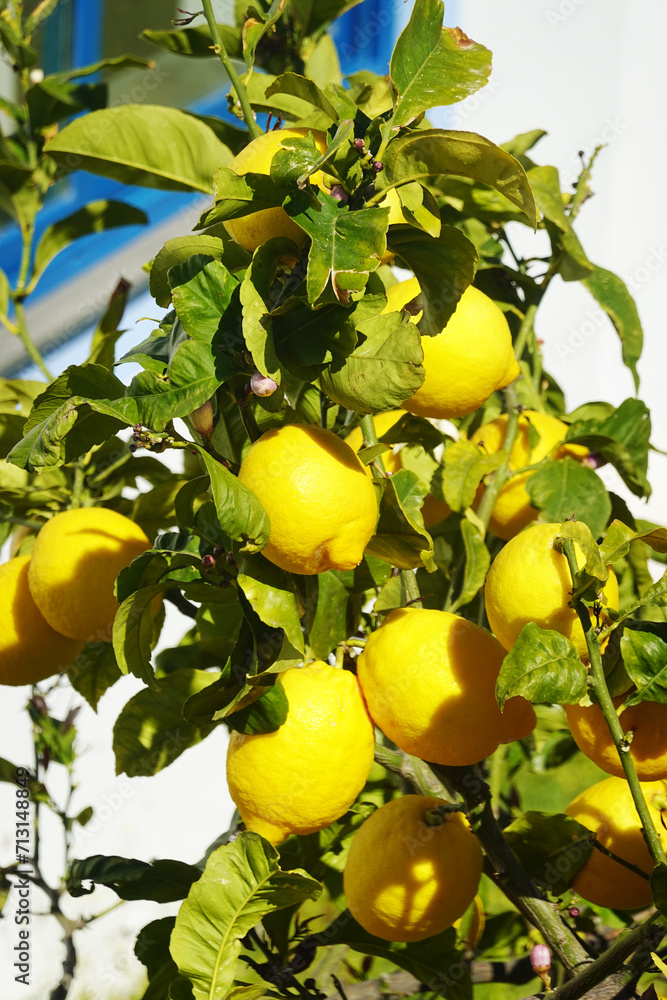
(529, 581)
(512, 510)
(467, 361)
(30, 649)
(77, 556)
(319, 498)
(258, 227)
(383, 423)
(429, 681)
(309, 772)
(607, 809)
(646, 722)
(405, 879)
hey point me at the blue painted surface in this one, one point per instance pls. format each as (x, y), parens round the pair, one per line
(365, 36)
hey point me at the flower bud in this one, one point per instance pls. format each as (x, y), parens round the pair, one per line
(262, 385)
(540, 958)
(359, 144)
(340, 194)
(378, 166)
(202, 419)
(208, 562)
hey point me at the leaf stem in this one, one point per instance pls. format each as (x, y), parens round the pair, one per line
(598, 684)
(234, 79)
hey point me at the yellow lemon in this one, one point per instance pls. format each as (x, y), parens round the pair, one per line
(319, 498)
(77, 556)
(647, 724)
(30, 649)
(383, 423)
(429, 681)
(607, 809)
(470, 358)
(258, 227)
(309, 772)
(529, 581)
(410, 872)
(512, 510)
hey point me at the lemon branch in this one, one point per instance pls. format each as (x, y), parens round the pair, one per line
(598, 684)
(234, 78)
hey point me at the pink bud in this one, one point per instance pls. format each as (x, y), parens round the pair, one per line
(262, 385)
(540, 958)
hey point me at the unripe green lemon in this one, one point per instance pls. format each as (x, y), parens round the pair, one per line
(470, 358)
(309, 772)
(30, 650)
(406, 880)
(429, 681)
(77, 556)
(258, 227)
(319, 497)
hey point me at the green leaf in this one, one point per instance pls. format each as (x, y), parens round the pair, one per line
(134, 631)
(201, 291)
(181, 249)
(645, 660)
(383, 370)
(346, 246)
(206, 940)
(419, 207)
(152, 950)
(53, 98)
(565, 489)
(437, 961)
(271, 597)
(257, 288)
(432, 65)
(616, 542)
(622, 438)
(96, 217)
(196, 41)
(429, 152)
(240, 513)
(658, 883)
(266, 715)
(478, 560)
(238, 195)
(329, 626)
(312, 16)
(307, 339)
(400, 537)
(150, 732)
(305, 89)
(464, 467)
(444, 268)
(162, 881)
(144, 144)
(551, 848)
(94, 671)
(545, 182)
(594, 569)
(255, 28)
(542, 667)
(612, 294)
(39, 14)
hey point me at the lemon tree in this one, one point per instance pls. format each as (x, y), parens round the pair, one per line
(425, 625)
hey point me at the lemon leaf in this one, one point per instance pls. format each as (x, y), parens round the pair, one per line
(206, 939)
(645, 660)
(658, 883)
(543, 667)
(464, 467)
(163, 880)
(182, 248)
(478, 560)
(330, 625)
(564, 489)
(551, 848)
(201, 291)
(400, 537)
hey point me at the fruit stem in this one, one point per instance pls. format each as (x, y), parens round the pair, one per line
(234, 79)
(415, 771)
(502, 474)
(598, 684)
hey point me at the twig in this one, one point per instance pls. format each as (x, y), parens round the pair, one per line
(234, 79)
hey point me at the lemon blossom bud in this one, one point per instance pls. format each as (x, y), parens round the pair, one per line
(262, 385)
(202, 419)
(540, 959)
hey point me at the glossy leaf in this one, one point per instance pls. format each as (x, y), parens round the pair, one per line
(329, 626)
(180, 249)
(93, 671)
(256, 291)
(551, 848)
(150, 732)
(426, 153)
(201, 291)
(645, 660)
(150, 145)
(206, 940)
(565, 489)
(240, 513)
(236, 196)
(308, 339)
(271, 596)
(195, 41)
(162, 881)
(106, 333)
(464, 466)
(419, 208)
(383, 370)
(152, 950)
(400, 537)
(43, 10)
(432, 65)
(444, 268)
(254, 29)
(265, 715)
(134, 631)
(545, 183)
(305, 89)
(542, 667)
(613, 295)
(477, 562)
(622, 438)
(616, 542)
(54, 98)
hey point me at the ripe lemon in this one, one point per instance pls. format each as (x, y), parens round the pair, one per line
(383, 422)
(309, 772)
(319, 498)
(258, 227)
(647, 722)
(512, 510)
(529, 581)
(608, 810)
(405, 879)
(467, 361)
(77, 556)
(30, 649)
(429, 681)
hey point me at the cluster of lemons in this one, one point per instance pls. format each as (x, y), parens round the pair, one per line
(61, 595)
